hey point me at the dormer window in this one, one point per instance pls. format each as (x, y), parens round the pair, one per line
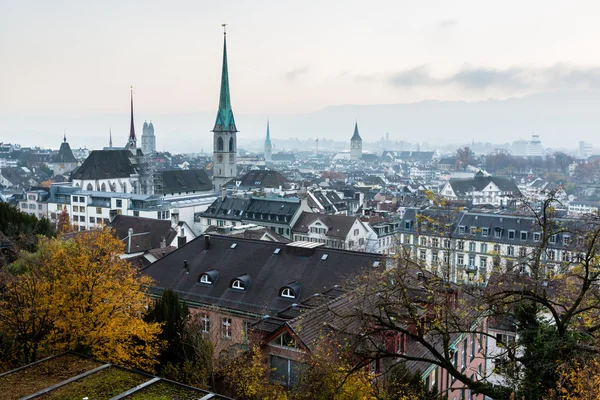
(241, 282)
(237, 284)
(290, 291)
(209, 277)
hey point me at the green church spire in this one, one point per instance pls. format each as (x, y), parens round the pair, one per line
(268, 139)
(225, 121)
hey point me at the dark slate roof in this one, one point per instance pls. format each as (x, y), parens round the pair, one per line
(259, 178)
(339, 225)
(254, 232)
(268, 272)
(189, 180)
(228, 207)
(147, 232)
(356, 135)
(260, 207)
(106, 164)
(462, 186)
(65, 155)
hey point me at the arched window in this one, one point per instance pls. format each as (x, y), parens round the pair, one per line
(237, 284)
(231, 147)
(103, 187)
(288, 293)
(220, 144)
(89, 186)
(205, 279)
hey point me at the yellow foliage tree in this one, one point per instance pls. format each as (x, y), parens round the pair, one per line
(81, 296)
(579, 380)
(63, 224)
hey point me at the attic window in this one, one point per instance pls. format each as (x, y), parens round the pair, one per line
(324, 257)
(205, 279)
(233, 246)
(288, 293)
(238, 284)
(276, 251)
(209, 277)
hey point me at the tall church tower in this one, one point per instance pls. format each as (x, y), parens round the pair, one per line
(268, 146)
(356, 145)
(224, 132)
(132, 141)
(148, 139)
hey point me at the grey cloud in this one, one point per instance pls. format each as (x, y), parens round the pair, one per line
(417, 76)
(558, 76)
(295, 73)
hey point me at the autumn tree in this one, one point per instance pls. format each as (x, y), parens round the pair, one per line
(63, 223)
(78, 294)
(23, 229)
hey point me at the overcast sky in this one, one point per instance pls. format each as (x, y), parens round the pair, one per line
(80, 57)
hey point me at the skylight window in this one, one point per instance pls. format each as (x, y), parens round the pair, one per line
(238, 284)
(324, 257)
(277, 251)
(233, 246)
(288, 293)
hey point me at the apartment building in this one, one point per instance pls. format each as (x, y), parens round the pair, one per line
(34, 203)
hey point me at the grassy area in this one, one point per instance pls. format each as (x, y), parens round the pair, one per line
(165, 391)
(40, 376)
(101, 385)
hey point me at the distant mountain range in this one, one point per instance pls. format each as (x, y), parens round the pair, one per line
(560, 118)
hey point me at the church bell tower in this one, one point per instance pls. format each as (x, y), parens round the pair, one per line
(224, 132)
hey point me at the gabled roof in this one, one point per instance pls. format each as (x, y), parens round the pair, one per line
(463, 186)
(269, 271)
(185, 180)
(106, 164)
(147, 232)
(338, 225)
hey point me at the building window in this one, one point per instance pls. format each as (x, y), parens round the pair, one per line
(503, 340)
(551, 255)
(32, 206)
(510, 250)
(407, 225)
(447, 243)
(497, 248)
(39, 206)
(435, 242)
(288, 293)
(461, 245)
(464, 354)
(24, 205)
(226, 328)
(81, 209)
(473, 340)
(82, 199)
(434, 257)
(205, 323)
(472, 246)
(485, 231)
(484, 247)
(511, 234)
(461, 229)
(423, 255)
(205, 279)
(523, 251)
(423, 241)
(460, 259)
(356, 232)
(498, 233)
(523, 235)
(471, 261)
(119, 203)
(553, 239)
(473, 230)
(284, 371)
(566, 239)
(237, 284)
(92, 220)
(75, 208)
(483, 262)
(536, 237)
(136, 213)
(98, 210)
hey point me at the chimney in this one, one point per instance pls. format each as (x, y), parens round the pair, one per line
(206, 242)
(163, 242)
(186, 268)
(129, 235)
(223, 194)
(174, 217)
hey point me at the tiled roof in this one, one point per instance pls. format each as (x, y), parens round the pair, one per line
(181, 181)
(339, 225)
(147, 232)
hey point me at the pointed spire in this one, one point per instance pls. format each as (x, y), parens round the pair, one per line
(110, 137)
(132, 138)
(268, 139)
(64, 135)
(356, 135)
(225, 120)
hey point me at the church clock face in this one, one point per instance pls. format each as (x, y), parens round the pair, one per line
(354, 145)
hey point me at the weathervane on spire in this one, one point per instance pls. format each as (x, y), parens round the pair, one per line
(224, 29)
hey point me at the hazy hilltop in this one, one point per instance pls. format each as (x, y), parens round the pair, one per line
(561, 118)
